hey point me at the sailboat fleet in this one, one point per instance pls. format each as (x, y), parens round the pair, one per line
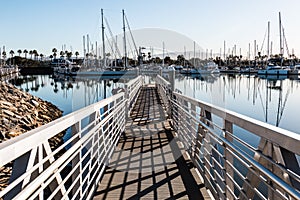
(273, 66)
(118, 67)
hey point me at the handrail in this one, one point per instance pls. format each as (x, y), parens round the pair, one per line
(42, 171)
(132, 89)
(284, 138)
(164, 89)
(230, 167)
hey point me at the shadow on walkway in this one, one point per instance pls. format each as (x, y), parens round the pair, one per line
(148, 162)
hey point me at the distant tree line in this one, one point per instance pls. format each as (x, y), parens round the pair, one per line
(31, 57)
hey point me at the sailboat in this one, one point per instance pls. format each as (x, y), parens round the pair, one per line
(109, 70)
(273, 68)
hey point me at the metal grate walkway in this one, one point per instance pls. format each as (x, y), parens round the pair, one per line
(149, 162)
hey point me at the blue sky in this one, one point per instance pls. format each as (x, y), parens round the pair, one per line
(43, 25)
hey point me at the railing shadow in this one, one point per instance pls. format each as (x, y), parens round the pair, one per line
(148, 161)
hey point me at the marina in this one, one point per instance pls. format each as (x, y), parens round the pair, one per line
(195, 105)
(260, 96)
(149, 117)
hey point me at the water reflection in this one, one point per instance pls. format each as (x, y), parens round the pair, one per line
(276, 92)
(68, 93)
(272, 99)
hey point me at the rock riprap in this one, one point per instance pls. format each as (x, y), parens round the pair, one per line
(19, 113)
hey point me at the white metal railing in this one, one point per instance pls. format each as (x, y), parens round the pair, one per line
(230, 166)
(73, 169)
(164, 89)
(132, 89)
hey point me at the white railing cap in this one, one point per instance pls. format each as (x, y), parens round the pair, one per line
(284, 138)
(15, 147)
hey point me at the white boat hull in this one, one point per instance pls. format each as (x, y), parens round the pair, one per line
(215, 71)
(105, 73)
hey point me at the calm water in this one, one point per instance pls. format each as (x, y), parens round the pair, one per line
(272, 100)
(68, 94)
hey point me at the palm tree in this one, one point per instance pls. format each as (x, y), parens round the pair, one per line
(19, 52)
(76, 54)
(35, 53)
(41, 56)
(144, 56)
(25, 52)
(51, 57)
(62, 54)
(54, 50)
(11, 53)
(69, 55)
(30, 53)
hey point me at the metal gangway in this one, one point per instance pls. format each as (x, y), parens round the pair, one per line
(204, 136)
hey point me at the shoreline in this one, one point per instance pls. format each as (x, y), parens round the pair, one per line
(19, 113)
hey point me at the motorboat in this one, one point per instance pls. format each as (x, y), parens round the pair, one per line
(65, 67)
(295, 69)
(272, 69)
(209, 68)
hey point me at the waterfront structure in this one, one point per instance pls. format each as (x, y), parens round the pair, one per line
(116, 139)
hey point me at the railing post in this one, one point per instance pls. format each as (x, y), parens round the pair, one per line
(160, 71)
(127, 103)
(278, 155)
(291, 162)
(75, 129)
(172, 79)
(19, 168)
(228, 130)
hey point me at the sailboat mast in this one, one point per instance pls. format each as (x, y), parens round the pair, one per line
(184, 55)
(254, 50)
(268, 44)
(194, 54)
(125, 51)
(280, 36)
(163, 59)
(84, 50)
(104, 59)
(249, 49)
(116, 48)
(224, 50)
